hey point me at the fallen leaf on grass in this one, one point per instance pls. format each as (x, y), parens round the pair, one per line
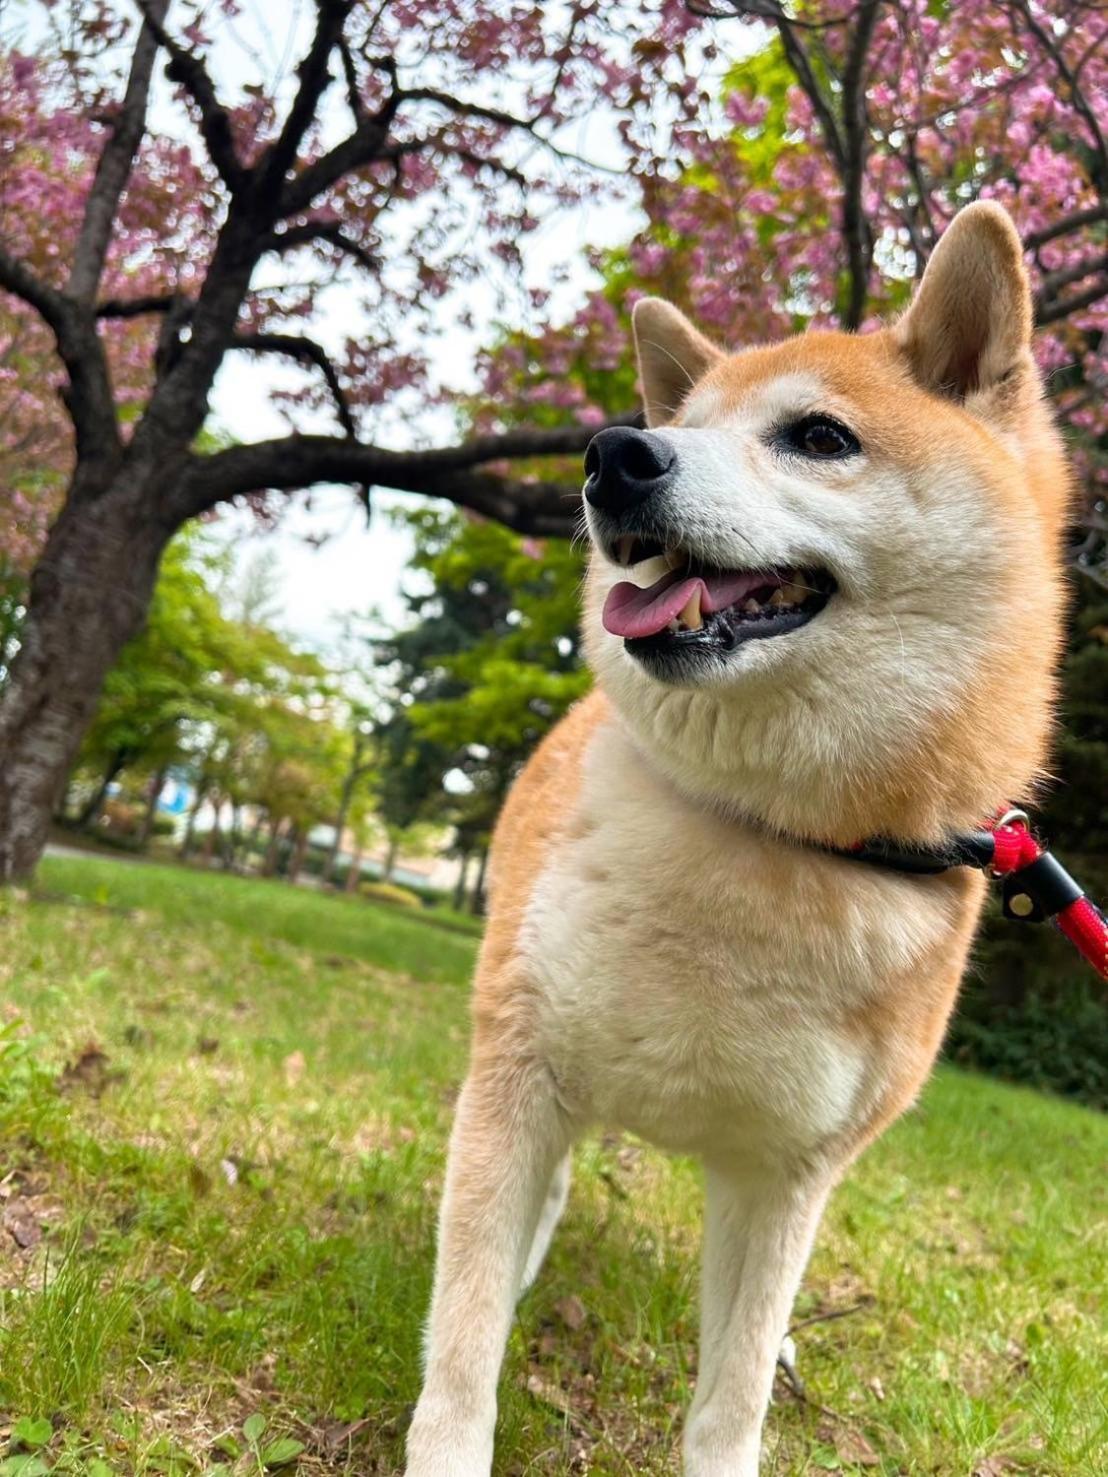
(571, 1310)
(853, 1449)
(549, 1394)
(294, 1065)
(993, 1466)
(333, 1435)
(89, 1071)
(21, 1225)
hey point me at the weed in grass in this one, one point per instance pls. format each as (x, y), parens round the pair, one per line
(60, 1332)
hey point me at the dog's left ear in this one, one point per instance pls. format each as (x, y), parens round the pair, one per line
(672, 355)
(969, 327)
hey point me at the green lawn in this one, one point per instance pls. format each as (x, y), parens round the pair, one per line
(223, 1108)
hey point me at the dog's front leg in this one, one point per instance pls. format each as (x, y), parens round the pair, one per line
(509, 1134)
(758, 1231)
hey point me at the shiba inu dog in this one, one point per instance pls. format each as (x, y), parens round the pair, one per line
(824, 604)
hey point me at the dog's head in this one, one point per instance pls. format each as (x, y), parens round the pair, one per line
(825, 583)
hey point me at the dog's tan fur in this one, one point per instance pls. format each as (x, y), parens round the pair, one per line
(664, 952)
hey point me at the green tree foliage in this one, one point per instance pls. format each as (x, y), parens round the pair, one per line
(167, 680)
(490, 662)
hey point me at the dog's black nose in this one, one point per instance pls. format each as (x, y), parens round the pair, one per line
(625, 466)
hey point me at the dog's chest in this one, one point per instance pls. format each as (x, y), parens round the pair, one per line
(702, 985)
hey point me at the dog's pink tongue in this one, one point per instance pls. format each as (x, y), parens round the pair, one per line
(632, 613)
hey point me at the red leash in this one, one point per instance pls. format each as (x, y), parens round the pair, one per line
(1036, 886)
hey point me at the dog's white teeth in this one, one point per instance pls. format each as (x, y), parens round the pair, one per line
(689, 617)
(751, 607)
(624, 545)
(794, 594)
(673, 627)
(778, 598)
(649, 571)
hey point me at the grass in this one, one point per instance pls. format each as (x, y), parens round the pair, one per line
(223, 1111)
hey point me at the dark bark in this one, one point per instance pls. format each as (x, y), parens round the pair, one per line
(359, 768)
(477, 901)
(214, 836)
(298, 852)
(354, 871)
(89, 813)
(459, 898)
(390, 859)
(146, 829)
(88, 596)
(273, 849)
(234, 838)
(339, 824)
(194, 810)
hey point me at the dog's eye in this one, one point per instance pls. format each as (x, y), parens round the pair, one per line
(821, 436)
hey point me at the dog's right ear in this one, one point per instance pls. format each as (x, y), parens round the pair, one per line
(672, 355)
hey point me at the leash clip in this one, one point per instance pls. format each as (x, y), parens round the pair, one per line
(1011, 817)
(1040, 890)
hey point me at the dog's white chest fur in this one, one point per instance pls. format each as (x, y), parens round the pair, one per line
(698, 980)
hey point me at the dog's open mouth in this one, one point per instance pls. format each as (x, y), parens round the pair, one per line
(691, 605)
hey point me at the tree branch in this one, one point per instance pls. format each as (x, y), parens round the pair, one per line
(356, 150)
(136, 307)
(1067, 276)
(1065, 307)
(113, 168)
(186, 68)
(307, 351)
(1080, 102)
(1067, 223)
(18, 279)
(88, 397)
(307, 233)
(859, 241)
(457, 473)
(315, 76)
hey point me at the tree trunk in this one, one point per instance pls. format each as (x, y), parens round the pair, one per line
(460, 885)
(390, 858)
(157, 784)
(88, 596)
(477, 902)
(299, 849)
(62, 812)
(194, 810)
(273, 850)
(90, 811)
(253, 839)
(340, 825)
(354, 871)
(234, 838)
(214, 836)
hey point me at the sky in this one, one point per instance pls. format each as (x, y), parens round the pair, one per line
(356, 567)
(359, 566)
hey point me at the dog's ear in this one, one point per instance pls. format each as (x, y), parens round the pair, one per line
(672, 355)
(969, 327)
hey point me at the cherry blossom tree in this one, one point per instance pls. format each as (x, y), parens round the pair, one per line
(809, 188)
(414, 146)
